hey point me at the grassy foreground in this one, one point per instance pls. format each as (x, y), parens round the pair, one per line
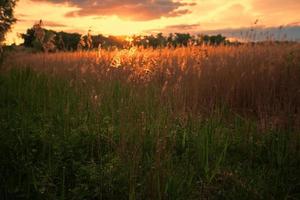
(186, 123)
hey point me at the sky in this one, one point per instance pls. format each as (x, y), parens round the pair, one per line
(128, 17)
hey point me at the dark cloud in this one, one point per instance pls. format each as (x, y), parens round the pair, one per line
(178, 28)
(53, 24)
(183, 27)
(139, 10)
(46, 23)
(21, 15)
(178, 13)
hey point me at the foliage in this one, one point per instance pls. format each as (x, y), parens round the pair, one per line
(6, 17)
(60, 43)
(39, 38)
(28, 38)
(86, 42)
(70, 40)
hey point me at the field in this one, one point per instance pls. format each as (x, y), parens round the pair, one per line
(185, 123)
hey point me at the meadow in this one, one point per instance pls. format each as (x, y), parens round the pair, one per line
(197, 122)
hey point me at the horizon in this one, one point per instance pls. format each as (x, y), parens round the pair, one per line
(228, 18)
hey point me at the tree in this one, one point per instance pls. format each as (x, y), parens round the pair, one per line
(81, 44)
(89, 40)
(49, 42)
(217, 39)
(60, 43)
(85, 42)
(40, 38)
(182, 38)
(170, 40)
(6, 17)
(39, 35)
(161, 40)
(6, 20)
(63, 41)
(28, 37)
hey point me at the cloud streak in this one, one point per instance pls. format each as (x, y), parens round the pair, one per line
(46, 23)
(179, 28)
(138, 10)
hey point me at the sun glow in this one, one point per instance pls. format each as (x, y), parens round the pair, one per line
(129, 39)
(116, 26)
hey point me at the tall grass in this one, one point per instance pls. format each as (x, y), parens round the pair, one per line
(185, 123)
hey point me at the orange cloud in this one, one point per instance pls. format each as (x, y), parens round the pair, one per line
(138, 10)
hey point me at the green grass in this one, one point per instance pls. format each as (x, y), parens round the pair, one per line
(57, 142)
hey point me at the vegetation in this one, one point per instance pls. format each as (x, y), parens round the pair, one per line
(41, 39)
(210, 122)
(6, 17)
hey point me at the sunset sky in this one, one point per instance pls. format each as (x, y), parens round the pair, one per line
(126, 17)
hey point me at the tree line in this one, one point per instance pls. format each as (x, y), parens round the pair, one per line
(42, 39)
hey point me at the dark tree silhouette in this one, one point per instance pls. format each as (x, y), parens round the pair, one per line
(63, 40)
(182, 38)
(6, 20)
(28, 37)
(70, 40)
(6, 17)
(60, 43)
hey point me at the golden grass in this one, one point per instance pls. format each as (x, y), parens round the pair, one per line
(260, 81)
